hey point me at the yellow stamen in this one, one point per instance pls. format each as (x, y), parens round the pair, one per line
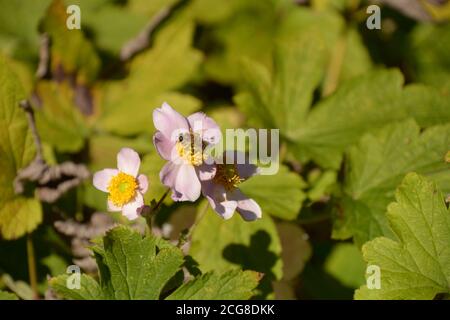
(190, 148)
(122, 188)
(228, 176)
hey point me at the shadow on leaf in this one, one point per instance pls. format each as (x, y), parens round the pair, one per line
(256, 256)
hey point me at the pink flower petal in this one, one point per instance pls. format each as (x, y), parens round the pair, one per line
(128, 161)
(187, 182)
(163, 145)
(169, 122)
(206, 171)
(102, 178)
(247, 208)
(206, 126)
(168, 174)
(112, 207)
(131, 209)
(176, 196)
(216, 196)
(143, 183)
(225, 209)
(247, 170)
(242, 161)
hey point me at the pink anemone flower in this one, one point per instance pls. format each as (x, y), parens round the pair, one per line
(182, 141)
(125, 187)
(220, 186)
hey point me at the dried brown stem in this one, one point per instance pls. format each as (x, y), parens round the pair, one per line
(52, 181)
(143, 39)
(44, 57)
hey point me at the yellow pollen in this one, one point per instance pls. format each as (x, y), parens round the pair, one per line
(228, 176)
(190, 148)
(122, 188)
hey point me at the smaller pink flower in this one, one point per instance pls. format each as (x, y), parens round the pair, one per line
(220, 186)
(125, 187)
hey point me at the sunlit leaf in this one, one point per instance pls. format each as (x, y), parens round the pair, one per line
(377, 164)
(231, 285)
(416, 265)
(284, 189)
(220, 245)
(18, 214)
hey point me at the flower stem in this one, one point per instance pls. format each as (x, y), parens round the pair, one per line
(151, 210)
(161, 199)
(184, 237)
(32, 267)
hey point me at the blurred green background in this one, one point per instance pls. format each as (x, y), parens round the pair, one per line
(310, 68)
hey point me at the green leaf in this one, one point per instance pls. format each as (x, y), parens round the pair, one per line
(207, 12)
(295, 249)
(231, 285)
(17, 146)
(284, 190)
(18, 214)
(89, 288)
(59, 121)
(417, 264)
(360, 105)
(220, 245)
(111, 23)
(281, 98)
(7, 296)
(345, 263)
(130, 267)
(321, 183)
(376, 166)
(248, 32)
(19, 21)
(429, 59)
(133, 267)
(128, 105)
(356, 60)
(253, 30)
(19, 287)
(70, 49)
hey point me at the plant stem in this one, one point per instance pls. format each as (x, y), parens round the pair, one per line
(152, 211)
(161, 199)
(26, 106)
(185, 237)
(32, 267)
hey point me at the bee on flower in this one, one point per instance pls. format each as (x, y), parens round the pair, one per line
(221, 187)
(190, 172)
(182, 141)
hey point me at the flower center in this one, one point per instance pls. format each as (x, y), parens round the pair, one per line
(228, 176)
(122, 188)
(190, 148)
